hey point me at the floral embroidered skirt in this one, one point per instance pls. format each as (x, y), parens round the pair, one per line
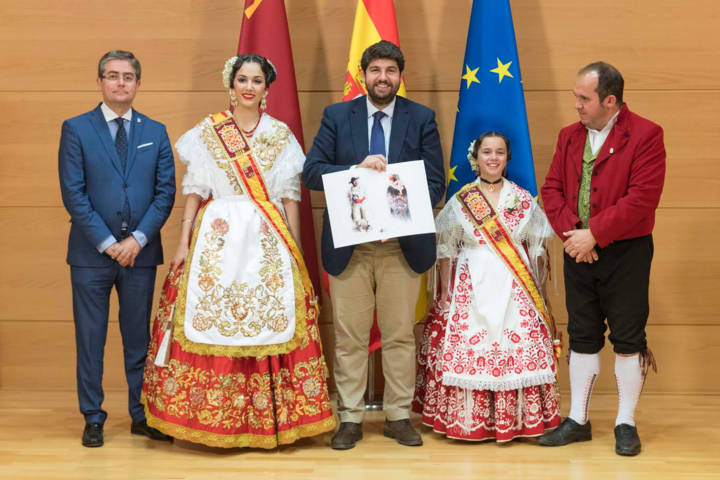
(236, 402)
(475, 415)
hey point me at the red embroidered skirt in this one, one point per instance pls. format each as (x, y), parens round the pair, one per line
(476, 415)
(236, 402)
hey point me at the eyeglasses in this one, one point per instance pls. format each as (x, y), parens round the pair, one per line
(114, 78)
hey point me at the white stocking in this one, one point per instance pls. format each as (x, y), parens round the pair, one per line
(630, 380)
(584, 369)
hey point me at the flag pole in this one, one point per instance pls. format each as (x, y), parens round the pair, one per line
(370, 402)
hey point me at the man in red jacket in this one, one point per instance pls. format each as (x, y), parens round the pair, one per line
(600, 196)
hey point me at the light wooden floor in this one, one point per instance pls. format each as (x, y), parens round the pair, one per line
(40, 438)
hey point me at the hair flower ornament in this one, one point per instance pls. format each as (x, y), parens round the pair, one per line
(227, 81)
(471, 159)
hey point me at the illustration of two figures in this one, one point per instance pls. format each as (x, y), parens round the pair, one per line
(397, 201)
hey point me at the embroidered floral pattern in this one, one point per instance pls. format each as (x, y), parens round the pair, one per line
(252, 309)
(218, 152)
(231, 401)
(518, 204)
(270, 143)
(528, 348)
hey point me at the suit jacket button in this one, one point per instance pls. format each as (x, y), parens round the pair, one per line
(595, 173)
(594, 205)
(119, 214)
(574, 197)
(594, 189)
(125, 185)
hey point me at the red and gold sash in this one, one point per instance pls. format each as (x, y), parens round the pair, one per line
(226, 140)
(483, 217)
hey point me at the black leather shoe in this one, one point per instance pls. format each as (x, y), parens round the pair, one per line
(403, 432)
(93, 435)
(142, 428)
(347, 435)
(569, 431)
(627, 440)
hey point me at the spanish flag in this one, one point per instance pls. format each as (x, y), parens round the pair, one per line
(374, 21)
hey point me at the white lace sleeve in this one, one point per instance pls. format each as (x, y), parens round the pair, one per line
(536, 234)
(284, 178)
(193, 152)
(449, 232)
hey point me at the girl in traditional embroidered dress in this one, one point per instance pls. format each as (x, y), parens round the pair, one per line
(235, 358)
(486, 365)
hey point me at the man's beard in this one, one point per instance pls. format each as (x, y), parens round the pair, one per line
(386, 99)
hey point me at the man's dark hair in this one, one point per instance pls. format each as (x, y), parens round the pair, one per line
(610, 80)
(385, 50)
(266, 67)
(119, 55)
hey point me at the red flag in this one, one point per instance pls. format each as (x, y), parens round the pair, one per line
(265, 31)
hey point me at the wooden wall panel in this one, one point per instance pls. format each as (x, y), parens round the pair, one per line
(657, 44)
(28, 172)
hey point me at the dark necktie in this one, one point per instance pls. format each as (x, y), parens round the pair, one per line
(121, 142)
(121, 145)
(377, 135)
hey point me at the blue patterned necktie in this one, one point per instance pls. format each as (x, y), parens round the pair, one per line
(121, 145)
(377, 135)
(121, 142)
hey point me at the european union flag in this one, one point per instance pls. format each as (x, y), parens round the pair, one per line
(491, 96)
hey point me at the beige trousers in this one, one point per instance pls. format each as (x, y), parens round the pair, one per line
(377, 277)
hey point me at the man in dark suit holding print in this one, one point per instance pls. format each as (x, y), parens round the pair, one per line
(370, 132)
(117, 178)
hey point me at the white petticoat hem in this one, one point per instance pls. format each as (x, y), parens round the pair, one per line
(471, 384)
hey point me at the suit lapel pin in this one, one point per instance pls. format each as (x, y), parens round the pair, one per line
(611, 150)
(138, 120)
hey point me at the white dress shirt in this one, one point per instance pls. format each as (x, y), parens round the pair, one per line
(386, 122)
(598, 137)
(110, 117)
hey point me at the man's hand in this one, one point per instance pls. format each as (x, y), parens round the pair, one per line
(130, 250)
(579, 242)
(591, 257)
(114, 250)
(376, 162)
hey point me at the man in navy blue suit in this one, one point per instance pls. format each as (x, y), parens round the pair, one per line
(370, 132)
(117, 178)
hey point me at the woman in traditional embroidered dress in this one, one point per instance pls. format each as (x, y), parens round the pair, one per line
(397, 198)
(486, 364)
(235, 358)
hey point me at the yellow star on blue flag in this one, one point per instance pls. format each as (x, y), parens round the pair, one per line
(502, 70)
(470, 76)
(491, 105)
(451, 175)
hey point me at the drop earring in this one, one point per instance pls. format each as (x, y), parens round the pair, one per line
(263, 102)
(233, 98)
